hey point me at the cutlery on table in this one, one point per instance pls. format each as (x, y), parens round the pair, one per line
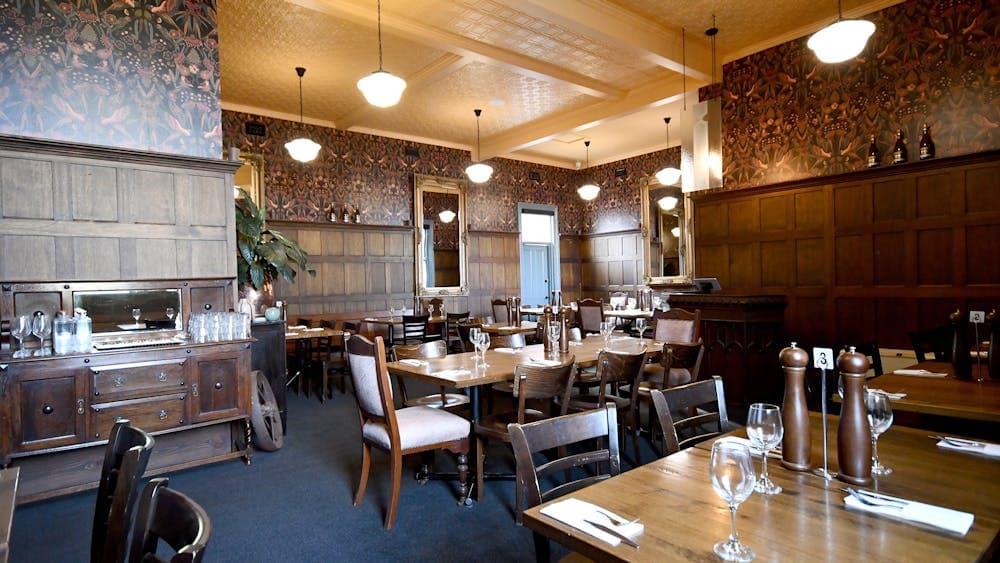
(874, 499)
(958, 442)
(611, 530)
(615, 519)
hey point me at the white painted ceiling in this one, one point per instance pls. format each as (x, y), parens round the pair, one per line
(548, 74)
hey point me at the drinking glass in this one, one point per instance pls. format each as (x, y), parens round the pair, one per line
(733, 480)
(484, 345)
(474, 339)
(765, 432)
(880, 419)
(607, 327)
(640, 325)
(20, 328)
(430, 310)
(171, 313)
(554, 332)
(136, 313)
(41, 328)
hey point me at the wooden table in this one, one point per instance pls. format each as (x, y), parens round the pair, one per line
(300, 338)
(8, 495)
(684, 517)
(942, 396)
(526, 327)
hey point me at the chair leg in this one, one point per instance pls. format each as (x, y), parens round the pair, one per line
(397, 482)
(480, 462)
(463, 477)
(634, 427)
(366, 463)
(324, 378)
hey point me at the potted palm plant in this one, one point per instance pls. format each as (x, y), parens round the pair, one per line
(264, 254)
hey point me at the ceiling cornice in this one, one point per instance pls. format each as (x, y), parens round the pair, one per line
(242, 108)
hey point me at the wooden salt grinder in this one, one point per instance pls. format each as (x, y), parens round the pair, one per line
(854, 435)
(796, 445)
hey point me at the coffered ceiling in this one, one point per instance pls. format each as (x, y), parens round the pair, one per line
(548, 74)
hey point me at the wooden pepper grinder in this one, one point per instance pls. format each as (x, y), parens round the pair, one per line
(960, 358)
(545, 321)
(796, 445)
(563, 332)
(854, 435)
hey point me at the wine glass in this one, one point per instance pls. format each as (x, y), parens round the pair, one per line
(430, 310)
(554, 332)
(765, 432)
(136, 313)
(607, 327)
(733, 480)
(880, 419)
(484, 345)
(640, 325)
(41, 328)
(171, 313)
(20, 327)
(474, 333)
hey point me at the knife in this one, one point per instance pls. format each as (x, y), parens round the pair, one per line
(959, 442)
(608, 529)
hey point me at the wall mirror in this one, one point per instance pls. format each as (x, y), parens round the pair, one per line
(250, 177)
(666, 232)
(440, 240)
(130, 309)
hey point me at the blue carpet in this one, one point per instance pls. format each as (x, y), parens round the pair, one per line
(296, 505)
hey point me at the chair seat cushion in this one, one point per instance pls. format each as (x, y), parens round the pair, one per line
(495, 425)
(434, 401)
(419, 427)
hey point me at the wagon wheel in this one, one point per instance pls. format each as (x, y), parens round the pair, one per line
(268, 432)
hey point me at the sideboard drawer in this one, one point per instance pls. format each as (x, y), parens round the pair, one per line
(141, 377)
(149, 413)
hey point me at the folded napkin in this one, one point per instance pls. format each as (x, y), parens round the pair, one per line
(575, 513)
(575, 343)
(505, 350)
(452, 372)
(413, 362)
(892, 396)
(919, 373)
(970, 447)
(953, 521)
(296, 327)
(543, 362)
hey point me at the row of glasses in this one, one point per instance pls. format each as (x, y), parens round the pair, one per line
(480, 341)
(24, 326)
(218, 327)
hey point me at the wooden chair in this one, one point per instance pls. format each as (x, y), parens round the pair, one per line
(616, 368)
(173, 517)
(125, 460)
(683, 418)
(426, 351)
(515, 340)
(681, 362)
(677, 325)
(597, 426)
(415, 328)
(452, 336)
(463, 332)
(589, 315)
(935, 340)
(531, 382)
(399, 432)
(499, 309)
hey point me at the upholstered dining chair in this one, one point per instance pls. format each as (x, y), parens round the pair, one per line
(538, 383)
(589, 315)
(168, 515)
(399, 432)
(677, 325)
(691, 413)
(125, 460)
(426, 351)
(598, 427)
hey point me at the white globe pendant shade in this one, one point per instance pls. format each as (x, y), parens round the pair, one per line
(668, 176)
(382, 89)
(588, 192)
(676, 231)
(479, 172)
(841, 41)
(302, 149)
(446, 216)
(667, 203)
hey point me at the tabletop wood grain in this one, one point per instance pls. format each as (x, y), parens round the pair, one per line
(943, 396)
(684, 517)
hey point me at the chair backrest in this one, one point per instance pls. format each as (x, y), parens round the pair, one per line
(618, 300)
(544, 383)
(415, 328)
(682, 361)
(590, 315)
(515, 340)
(683, 422)
(173, 517)
(372, 388)
(125, 460)
(425, 351)
(463, 332)
(869, 349)
(935, 340)
(677, 325)
(620, 366)
(499, 308)
(593, 428)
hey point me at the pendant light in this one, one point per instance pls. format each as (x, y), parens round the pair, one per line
(668, 175)
(446, 216)
(842, 40)
(588, 191)
(477, 171)
(381, 88)
(302, 149)
(667, 202)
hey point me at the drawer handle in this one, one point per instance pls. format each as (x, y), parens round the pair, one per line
(47, 409)
(79, 406)
(194, 389)
(163, 414)
(162, 377)
(218, 385)
(119, 381)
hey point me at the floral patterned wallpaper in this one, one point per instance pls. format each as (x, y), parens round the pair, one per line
(140, 74)
(787, 116)
(618, 207)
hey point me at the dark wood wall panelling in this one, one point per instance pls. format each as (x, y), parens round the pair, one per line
(866, 256)
(494, 269)
(611, 262)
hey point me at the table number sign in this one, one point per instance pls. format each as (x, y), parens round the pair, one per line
(823, 360)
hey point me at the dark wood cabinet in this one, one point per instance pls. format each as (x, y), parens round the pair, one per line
(268, 356)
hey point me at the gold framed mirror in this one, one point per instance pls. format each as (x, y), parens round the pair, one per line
(250, 177)
(666, 232)
(439, 222)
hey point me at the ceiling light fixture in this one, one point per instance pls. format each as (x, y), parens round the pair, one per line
(712, 32)
(302, 149)
(446, 216)
(669, 175)
(477, 171)
(676, 231)
(842, 40)
(381, 88)
(588, 191)
(668, 203)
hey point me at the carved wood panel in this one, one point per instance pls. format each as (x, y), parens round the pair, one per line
(611, 262)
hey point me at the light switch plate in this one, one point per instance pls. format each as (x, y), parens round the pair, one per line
(823, 358)
(977, 317)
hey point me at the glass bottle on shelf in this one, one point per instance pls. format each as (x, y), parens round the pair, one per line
(899, 149)
(357, 214)
(926, 144)
(346, 215)
(874, 158)
(331, 213)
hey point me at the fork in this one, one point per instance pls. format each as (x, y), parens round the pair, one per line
(872, 499)
(959, 442)
(614, 518)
